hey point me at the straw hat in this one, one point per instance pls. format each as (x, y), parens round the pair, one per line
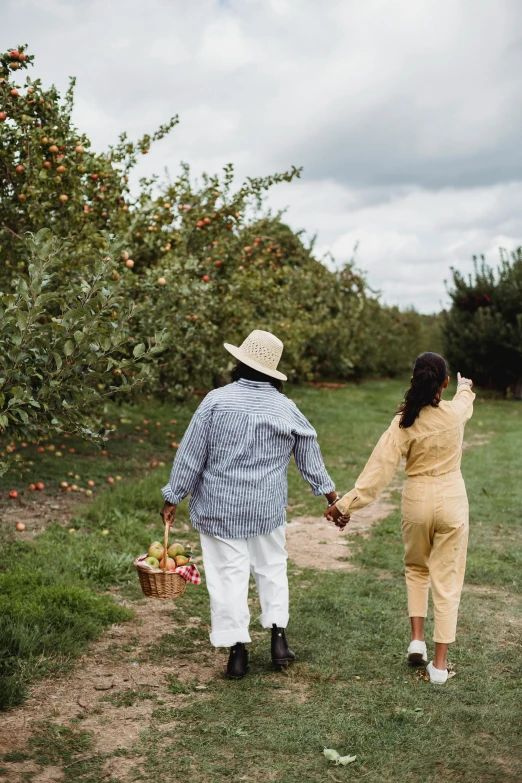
(261, 351)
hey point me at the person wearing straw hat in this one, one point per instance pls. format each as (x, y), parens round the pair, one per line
(233, 463)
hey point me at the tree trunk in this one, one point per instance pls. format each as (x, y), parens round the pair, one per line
(517, 389)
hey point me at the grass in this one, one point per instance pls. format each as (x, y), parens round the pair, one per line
(350, 689)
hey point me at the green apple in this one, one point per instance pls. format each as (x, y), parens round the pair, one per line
(153, 562)
(175, 549)
(155, 550)
(181, 560)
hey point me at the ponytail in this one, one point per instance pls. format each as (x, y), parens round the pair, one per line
(429, 373)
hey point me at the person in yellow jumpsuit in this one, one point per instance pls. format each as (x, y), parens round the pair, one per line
(428, 432)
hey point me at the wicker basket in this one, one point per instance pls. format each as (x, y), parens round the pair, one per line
(160, 582)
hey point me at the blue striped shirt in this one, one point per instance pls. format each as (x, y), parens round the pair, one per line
(234, 457)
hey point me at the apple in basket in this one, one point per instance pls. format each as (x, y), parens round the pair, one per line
(175, 549)
(155, 550)
(181, 560)
(153, 562)
(171, 564)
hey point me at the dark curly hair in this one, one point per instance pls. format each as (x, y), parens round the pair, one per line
(248, 373)
(429, 373)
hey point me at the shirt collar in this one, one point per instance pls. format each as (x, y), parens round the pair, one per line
(255, 384)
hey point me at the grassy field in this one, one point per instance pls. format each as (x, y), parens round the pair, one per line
(350, 689)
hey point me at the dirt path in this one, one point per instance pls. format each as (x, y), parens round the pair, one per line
(314, 542)
(113, 672)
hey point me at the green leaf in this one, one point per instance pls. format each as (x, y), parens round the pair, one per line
(331, 754)
(344, 760)
(4, 421)
(68, 348)
(58, 360)
(139, 350)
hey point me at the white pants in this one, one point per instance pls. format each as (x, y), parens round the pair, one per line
(228, 563)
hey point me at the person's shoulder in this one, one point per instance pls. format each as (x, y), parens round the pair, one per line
(397, 432)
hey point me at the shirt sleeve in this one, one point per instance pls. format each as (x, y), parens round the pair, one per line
(377, 474)
(308, 456)
(191, 456)
(463, 401)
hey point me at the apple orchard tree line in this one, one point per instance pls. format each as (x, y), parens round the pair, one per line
(172, 272)
(483, 328)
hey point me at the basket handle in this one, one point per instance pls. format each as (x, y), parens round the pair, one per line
(165, 547)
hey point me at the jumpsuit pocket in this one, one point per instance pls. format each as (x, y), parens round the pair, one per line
(413, 502)
(455, 509)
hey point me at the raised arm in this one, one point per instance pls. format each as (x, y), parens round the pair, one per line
(308, 456)
(463, 399)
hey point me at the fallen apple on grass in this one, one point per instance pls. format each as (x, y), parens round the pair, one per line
(20, 526)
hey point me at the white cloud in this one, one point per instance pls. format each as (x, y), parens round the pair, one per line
(406, 116)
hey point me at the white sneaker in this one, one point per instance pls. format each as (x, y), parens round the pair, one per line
(437, 676)
(417, 654)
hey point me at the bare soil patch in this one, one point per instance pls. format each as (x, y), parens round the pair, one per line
(37, 511)
(112, 667)
(313, 542)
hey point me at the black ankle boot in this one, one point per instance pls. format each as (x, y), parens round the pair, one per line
(282, 655)
(237, 665)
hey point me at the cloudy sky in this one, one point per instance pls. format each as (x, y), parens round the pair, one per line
(405, 114)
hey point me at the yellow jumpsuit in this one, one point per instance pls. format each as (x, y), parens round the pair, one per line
(435, 513)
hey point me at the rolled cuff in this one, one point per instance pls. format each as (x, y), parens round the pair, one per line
(229, 638)
(169, 495)
(346, 503)
(324, 489)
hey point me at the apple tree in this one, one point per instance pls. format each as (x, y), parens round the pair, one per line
(64, 346)
(49, 174)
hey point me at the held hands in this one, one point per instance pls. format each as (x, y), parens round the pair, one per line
(168, 513)
(460, 380)
(333, 514)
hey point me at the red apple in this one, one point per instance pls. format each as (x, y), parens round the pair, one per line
(94, 177)
(22, 196)
(60, 169)
(206, 220)
(171, 564)
(110, 480)
(90, 483)
(32, 487)
(53, 148)
(13, 494)
(205, 278)
(79, 149)
(20, 526)
(22, 56)
(219, 262)
(14, 54)
(20, 169)
(3, 116)
(200, 224)
(39, 486)
(14, 93)
(47, 164)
